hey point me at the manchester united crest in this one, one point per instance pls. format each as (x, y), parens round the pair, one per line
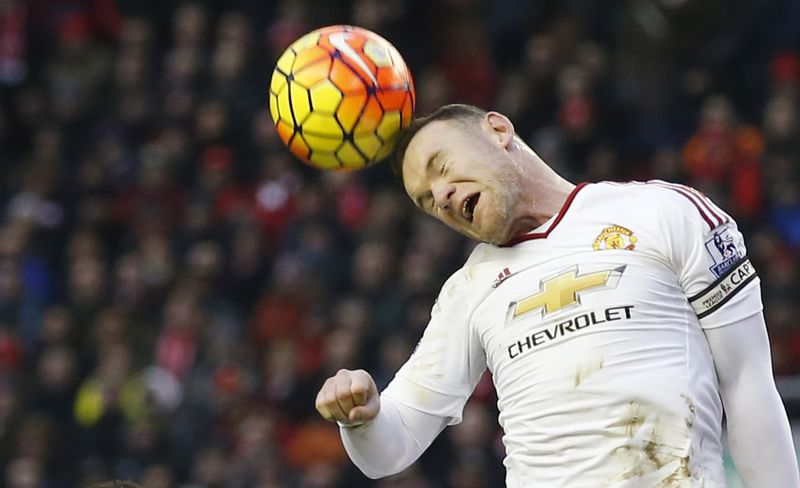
(615, 237)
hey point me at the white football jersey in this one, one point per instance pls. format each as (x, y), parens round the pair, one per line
(592, 327)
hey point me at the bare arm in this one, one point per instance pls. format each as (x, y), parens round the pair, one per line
(759, 437)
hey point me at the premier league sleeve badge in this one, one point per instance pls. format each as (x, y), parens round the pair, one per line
(723, 251)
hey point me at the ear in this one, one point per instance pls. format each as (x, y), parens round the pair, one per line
(501, 128)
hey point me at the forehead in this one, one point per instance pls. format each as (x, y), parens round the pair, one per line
(439, 136)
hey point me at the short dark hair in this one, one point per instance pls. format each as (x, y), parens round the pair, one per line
(455, 111)
(116, 484)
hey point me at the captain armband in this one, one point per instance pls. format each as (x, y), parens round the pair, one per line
(723, 289)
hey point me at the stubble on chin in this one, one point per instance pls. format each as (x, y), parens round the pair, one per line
(496, 227)
(504, 199)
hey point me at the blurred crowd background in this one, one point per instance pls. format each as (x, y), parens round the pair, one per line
(175, 287)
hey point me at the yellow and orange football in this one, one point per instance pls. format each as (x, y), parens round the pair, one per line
(339, 96)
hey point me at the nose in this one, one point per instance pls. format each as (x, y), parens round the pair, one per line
(442, 194)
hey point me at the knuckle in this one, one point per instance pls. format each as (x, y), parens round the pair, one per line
(365, 377)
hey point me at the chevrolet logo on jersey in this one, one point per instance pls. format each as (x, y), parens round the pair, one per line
(564, 290)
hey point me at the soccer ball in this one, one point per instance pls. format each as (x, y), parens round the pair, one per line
(339, 96)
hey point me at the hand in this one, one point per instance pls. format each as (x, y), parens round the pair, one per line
(350, 397)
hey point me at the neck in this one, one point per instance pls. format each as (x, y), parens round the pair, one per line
(552, 200)
(547, 190)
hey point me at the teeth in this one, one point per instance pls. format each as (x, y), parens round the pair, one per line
(468, 207)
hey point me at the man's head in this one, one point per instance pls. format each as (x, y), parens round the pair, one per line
(462, 165)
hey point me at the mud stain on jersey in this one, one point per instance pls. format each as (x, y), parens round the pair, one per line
(680, 477)
(657, 445)
(630, 421)
(690, 406)
(587, 369)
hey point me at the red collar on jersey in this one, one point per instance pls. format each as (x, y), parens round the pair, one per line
(540, 235)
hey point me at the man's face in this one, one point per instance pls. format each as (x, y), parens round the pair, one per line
(461, 173)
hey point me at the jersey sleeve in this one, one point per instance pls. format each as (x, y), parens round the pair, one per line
(708, 254)
(443, 370)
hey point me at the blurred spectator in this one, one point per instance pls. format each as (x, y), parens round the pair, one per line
(723, 159)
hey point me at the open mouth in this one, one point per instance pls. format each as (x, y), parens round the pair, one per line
(468, 208)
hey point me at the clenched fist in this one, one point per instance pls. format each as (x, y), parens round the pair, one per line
(349, 397)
